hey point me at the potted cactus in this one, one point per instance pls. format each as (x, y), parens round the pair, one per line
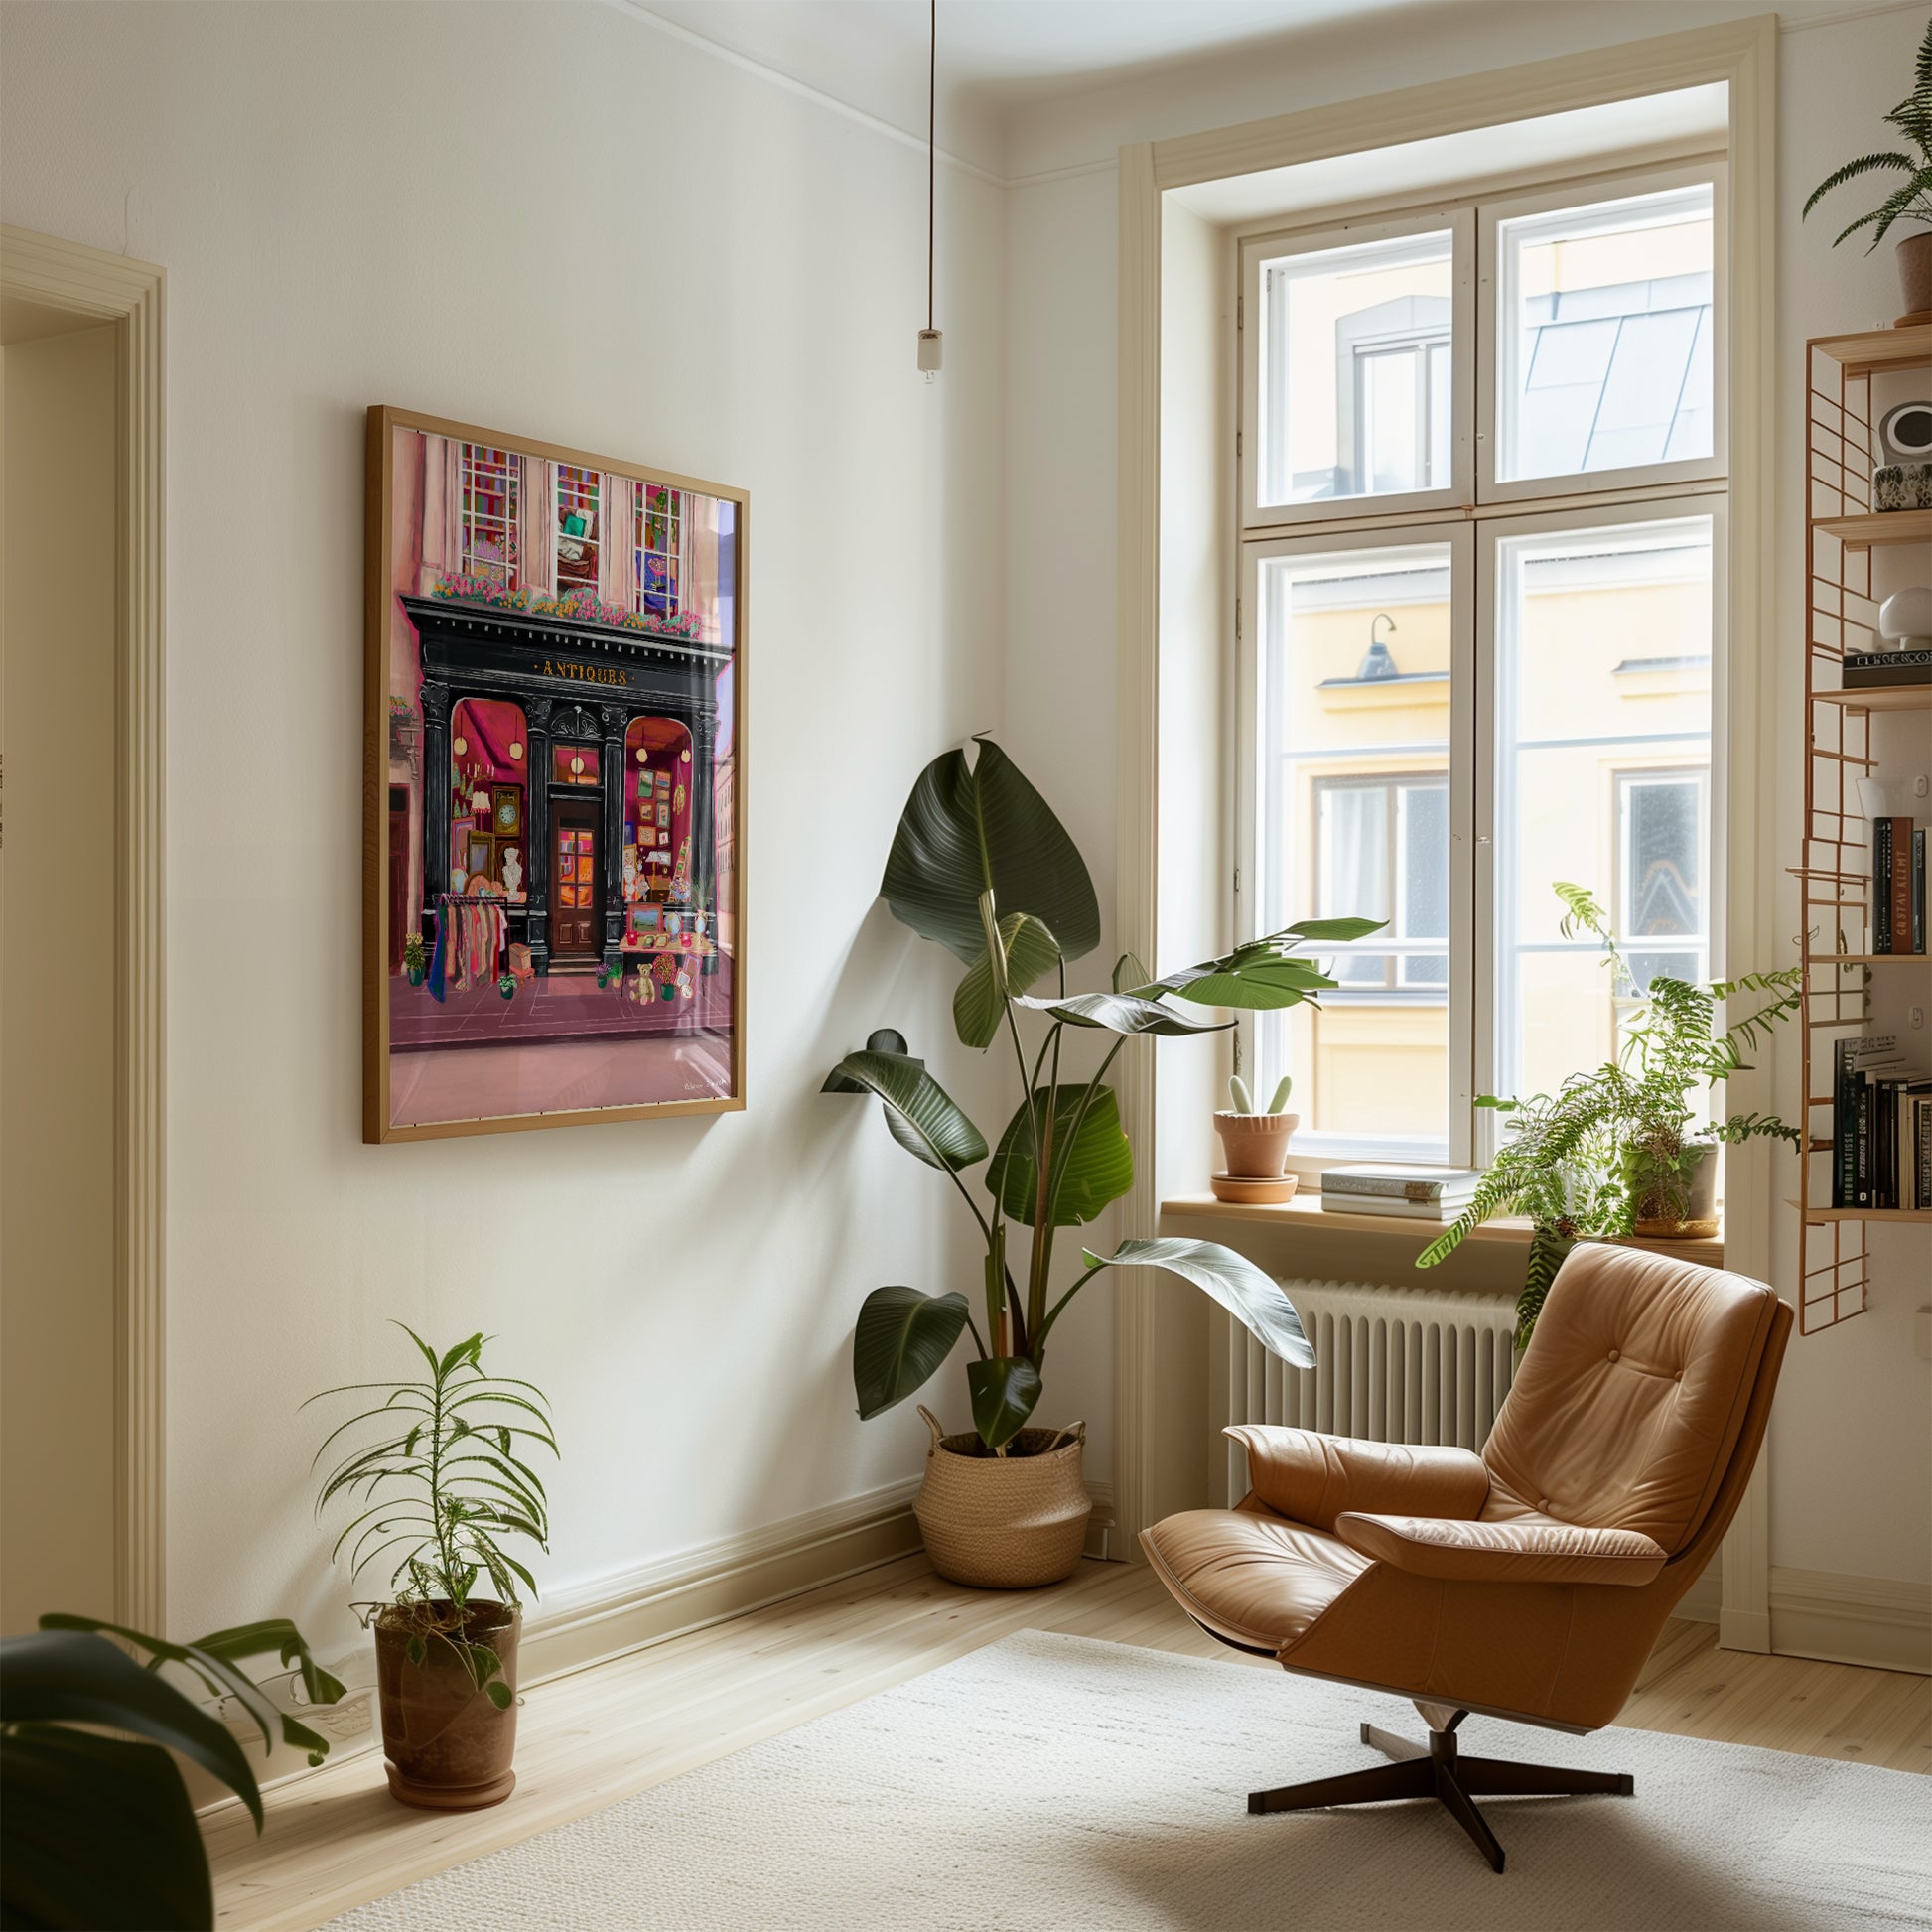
(1256, 1143)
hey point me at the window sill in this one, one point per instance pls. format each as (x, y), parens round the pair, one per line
(1307, 1216)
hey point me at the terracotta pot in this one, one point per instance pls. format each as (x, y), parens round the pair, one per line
(1004, 1521)
(1675, 1201)
(1256, 1145)
(1915, 274)
(449, 1747)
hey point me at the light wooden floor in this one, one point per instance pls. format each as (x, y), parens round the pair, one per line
(335, 1839)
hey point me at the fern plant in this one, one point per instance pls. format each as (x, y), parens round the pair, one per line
(442, 1485)
(1618, 1144)
(1912, 200)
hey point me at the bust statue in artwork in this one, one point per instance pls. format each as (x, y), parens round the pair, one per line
(512, 871)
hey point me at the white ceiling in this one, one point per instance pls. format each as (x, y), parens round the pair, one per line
(871, 54)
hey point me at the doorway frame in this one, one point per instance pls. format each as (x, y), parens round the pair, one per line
(98, 287)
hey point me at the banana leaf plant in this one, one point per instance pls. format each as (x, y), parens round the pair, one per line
(96, 1826)
(982, 866)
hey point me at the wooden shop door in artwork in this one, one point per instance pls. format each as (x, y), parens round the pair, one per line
(574, 895)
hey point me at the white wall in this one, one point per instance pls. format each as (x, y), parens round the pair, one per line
(1852, 1434)
(565, 224)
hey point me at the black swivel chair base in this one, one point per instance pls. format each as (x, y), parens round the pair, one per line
(1435, 1770)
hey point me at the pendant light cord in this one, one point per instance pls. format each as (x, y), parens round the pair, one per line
(932, 147)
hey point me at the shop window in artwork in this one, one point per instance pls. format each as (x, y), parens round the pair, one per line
(661, 530)
(488, 481)
(488, 787)
(577, 532)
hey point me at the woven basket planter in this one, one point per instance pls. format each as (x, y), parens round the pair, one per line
(1004, 1521)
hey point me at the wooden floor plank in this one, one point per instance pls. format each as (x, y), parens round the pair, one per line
(335, 1839)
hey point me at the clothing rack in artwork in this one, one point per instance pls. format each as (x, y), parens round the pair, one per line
(472, 933)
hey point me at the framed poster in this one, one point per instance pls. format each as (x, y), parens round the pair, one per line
(553, 874)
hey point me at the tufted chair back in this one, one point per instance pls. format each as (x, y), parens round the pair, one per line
(1629, 1402)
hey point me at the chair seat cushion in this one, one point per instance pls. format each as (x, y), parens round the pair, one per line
(1251, 1576)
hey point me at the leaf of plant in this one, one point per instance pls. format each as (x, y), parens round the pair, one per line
(1129, 973)
(75, 1677)
(1124, 1012)
(98, 1832)
(923, 1117)
(1261, 976)
(900, 1338)
(1343, 931)
(969, 829)
(881, 1040)
(978, 1004)
(1253, 1297)
(1004, 1389)
(500, 1694)
(1097, 1169)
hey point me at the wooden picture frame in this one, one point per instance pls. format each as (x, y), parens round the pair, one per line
(471, 629)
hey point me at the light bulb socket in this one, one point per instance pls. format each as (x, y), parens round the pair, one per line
(931, 342)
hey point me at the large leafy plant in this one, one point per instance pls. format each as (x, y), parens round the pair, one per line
(1618, 1144)
(1912, 200)
(442, 1484)
(981, 865)
(98, 1829)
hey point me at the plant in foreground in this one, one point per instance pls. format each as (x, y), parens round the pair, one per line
(96, 1826)
(1617, 1145)
(442, 1484)
(982, 866)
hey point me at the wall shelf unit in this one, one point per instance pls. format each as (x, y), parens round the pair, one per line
(1841, 532)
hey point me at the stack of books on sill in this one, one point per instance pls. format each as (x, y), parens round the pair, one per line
(1882, 1127)
(1419, 1193)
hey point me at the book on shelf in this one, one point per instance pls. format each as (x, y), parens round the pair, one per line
(1881, 1126)
(1898, 886)
(1401, 1184)
(1438, 1209)
(1873, 670)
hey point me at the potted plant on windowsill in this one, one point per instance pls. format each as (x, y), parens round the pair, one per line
(980, 865)
(438, 1465)
(1254, 1144)
(1912, 200)
(1620, 1151)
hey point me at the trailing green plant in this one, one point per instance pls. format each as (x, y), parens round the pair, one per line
(980, 865)
(443, 1486)
(1912, 200)
(1618, 1144)
(98, 1829)
(1244, 1101)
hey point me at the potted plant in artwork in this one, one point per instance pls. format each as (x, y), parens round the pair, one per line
(414, 963)
(1910, 200)
(1623, 1151)
(440, 1468)
(981, 866)
(98, 1827)
(1254, 1144)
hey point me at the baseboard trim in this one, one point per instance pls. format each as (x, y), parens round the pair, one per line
(1702, 1602)
(1877, 1621)
(608, 1617)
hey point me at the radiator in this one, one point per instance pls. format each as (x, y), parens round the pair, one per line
(1393, 1364)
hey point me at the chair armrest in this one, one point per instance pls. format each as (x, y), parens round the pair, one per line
(1504, 1552)
(1313, 1479)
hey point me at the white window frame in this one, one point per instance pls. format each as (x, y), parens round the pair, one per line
(1496, 374)
(1481, 513)
(1455, 534)
(1275, 245)
(1491, 533)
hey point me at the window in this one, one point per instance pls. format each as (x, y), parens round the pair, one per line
(577, 534)
(1353, 370)
(488, 481)
(660, 531)
(1463, 679)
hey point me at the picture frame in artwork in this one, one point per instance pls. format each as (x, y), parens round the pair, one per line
(522, 604)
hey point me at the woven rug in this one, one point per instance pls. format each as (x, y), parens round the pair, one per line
(1053, 1782)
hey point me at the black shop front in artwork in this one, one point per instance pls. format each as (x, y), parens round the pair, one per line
(579, 794)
